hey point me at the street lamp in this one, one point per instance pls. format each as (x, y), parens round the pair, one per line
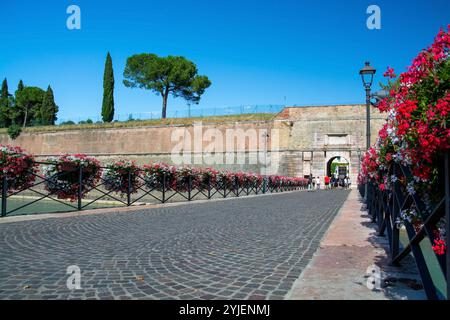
(367, 73)
(367, 78)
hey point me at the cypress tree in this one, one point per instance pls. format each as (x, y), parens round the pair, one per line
(20, 86)
(4, 105)
(108, 91)
(5, 92)
(49, 108)
(16, 112)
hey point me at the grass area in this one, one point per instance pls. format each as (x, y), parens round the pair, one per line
(153, 122)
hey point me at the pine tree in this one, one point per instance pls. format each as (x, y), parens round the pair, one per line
(49, 109)
(108, 91)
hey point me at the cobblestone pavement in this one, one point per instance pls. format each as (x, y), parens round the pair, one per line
(252, 248)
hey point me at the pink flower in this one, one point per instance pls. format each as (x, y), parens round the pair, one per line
(389, 73)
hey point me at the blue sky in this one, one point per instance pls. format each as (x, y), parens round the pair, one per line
(254, 52)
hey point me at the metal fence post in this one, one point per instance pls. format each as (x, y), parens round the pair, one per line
(395, 245)
(4, 195)
(225, 188)
(189, 187)
(80, 186)
(209, 187)
(264, 185)
(129, 189)
(447, 219)
(164, 188)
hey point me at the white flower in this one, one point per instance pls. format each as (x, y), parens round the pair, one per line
(410, 188)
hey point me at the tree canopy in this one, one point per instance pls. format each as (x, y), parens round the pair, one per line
(173, 75)
(28, 104)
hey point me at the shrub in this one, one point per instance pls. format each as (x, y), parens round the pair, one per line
(67, 123)
(14, 131)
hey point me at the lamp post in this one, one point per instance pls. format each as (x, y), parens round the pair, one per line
(367, 79)
(367, 73)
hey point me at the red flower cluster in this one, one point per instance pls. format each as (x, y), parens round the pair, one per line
(390, 73)
(18, 167)
(121, 175)
(62, 175)
(439, 246)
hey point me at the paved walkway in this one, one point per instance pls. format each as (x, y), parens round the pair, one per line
(244, 248)
(350, 247)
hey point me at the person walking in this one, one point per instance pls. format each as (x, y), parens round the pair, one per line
(310, 182)
(346, 182)
(327, 182)
(318, 183)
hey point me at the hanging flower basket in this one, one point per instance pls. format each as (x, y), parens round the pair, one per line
(225, 180)
(62, 175)
(18, 167)
(120, 176)
(185, 178)
(207, 178)
(157, 175)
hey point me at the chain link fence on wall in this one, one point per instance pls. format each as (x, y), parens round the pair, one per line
(191, 112)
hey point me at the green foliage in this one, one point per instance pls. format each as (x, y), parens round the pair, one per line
(108, 91)
(14, 131)
(88, 121)
(67, 123)
(430, 89)
(4, 93)
(165, 75)
(49, 109)
(5, 105)
(20, 86)
(28, 105)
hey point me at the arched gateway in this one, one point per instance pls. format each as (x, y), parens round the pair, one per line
(316, 136)
(338, 167)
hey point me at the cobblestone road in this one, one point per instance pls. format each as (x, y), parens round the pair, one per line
(246, 248)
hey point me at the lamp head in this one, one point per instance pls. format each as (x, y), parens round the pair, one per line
(367, 73)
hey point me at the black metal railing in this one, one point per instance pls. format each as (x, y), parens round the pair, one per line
(385, 206)
(131, 195)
